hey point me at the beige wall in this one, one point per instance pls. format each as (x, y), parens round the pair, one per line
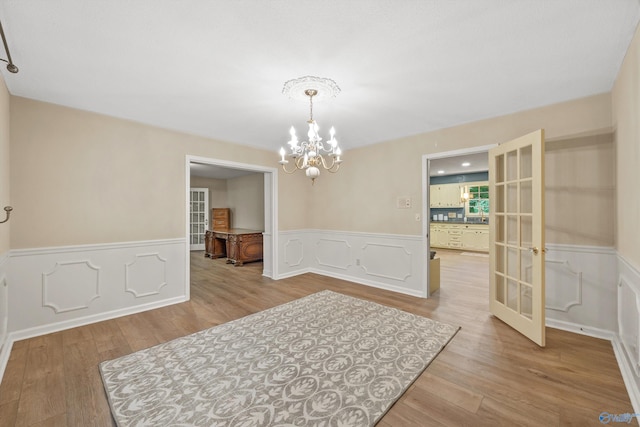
(217, 191)
(626, 111)
(5, 229)
(580, 191)
(246, 200)
(81, 178)
(362, 196)
(243, 195)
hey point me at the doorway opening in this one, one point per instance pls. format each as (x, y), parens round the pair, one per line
(222, 168)
(454, 174)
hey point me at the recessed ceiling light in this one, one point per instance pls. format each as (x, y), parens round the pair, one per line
(440, 172)
(465, 164)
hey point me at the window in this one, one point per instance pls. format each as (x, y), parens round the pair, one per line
(478, 204)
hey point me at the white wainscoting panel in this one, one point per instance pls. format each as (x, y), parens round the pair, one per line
(566, 285)
(627, 342)
(384, 261)
(4, 302)
(267, 261)
(294, 252)
(146, 275)
(581, 289)
(70, 285)
(375, 261)
(5, 342)
(52, 289)
(333, 253)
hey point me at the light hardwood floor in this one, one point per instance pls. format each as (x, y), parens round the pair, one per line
(488, 375)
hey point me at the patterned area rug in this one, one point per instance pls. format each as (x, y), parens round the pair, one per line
(323, 360)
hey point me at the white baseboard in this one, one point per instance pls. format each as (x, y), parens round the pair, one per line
(627, 339)
(373, 284)
(581, 329)
(386, 261)
(628, 374)
(57, 288)
(61, 326)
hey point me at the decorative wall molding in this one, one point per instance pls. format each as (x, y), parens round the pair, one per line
(566, 293)
(14, 253)
(384, 261)
(627, 342)
(4, 309)
(293, 252)
(146, 275)
(334, 253)
(629, 322)
(5, 341)
(373, 253)
(90, 280)
(70, 286)
(581, 286)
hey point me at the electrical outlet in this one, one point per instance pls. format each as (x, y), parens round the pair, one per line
(358, 261)
(403, 202)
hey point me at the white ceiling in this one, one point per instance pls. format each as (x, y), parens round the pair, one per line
(216, 172)
(478, 162)
(216, 68)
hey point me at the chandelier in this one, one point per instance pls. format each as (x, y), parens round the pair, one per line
(313, 154)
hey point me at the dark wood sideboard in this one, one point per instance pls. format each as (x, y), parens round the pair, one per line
(239, 245)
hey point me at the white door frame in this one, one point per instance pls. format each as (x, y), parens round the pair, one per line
(426, 214)
(270, 253)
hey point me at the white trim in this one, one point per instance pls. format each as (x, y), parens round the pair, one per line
(628, 375)
(426, 210)
(352, 233)
(629, 275)
(580, 329)
(270, 263)
(95, 247)
(373, 284)
(5, 353)
(74, 323)
(598, 250)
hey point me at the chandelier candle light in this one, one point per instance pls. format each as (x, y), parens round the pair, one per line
(308, 155)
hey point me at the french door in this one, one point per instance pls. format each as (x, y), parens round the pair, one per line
(516, 221)
(199, 217)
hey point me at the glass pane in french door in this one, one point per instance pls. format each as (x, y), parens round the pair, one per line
(517, 224)
(198, 217)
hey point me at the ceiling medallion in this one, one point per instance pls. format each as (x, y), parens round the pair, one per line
(296, 88)
(308, 155)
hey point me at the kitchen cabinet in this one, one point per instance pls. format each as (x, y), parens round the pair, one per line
(473, 237)
(439, 236)
(445, 196)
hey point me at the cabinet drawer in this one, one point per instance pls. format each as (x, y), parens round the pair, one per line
(455, 244)
(455, 232)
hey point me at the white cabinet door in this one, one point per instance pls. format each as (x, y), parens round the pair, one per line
(434, 196)
(439, 236)
(452, 196)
